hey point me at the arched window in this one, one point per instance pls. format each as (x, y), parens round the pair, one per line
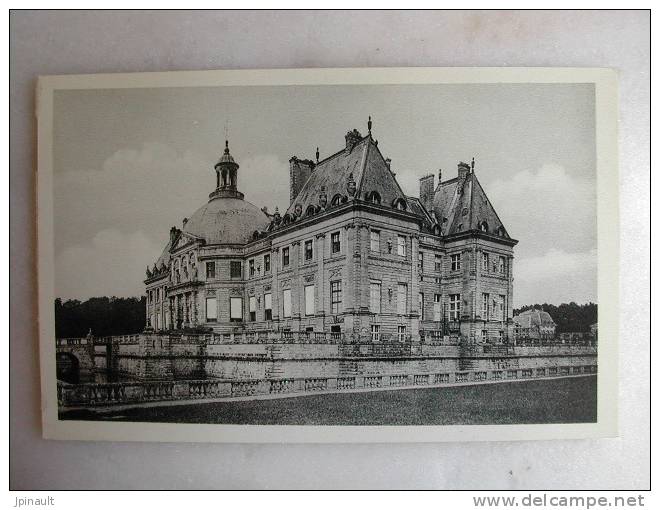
(400, 203)
(436, 230)
(311, 210)
(286, 219)
(373, 197)
(336, 200)
(501, 232)
(483, 226)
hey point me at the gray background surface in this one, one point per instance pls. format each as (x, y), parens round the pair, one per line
(94, 42)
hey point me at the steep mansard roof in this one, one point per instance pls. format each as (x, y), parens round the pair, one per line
(460, 205)
(369, 171)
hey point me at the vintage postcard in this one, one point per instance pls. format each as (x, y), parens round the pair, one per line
(329, 255)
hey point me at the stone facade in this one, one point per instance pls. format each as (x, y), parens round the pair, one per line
(352, 256)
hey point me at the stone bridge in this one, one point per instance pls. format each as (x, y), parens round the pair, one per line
(74, 357)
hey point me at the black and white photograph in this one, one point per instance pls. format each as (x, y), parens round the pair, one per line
(338, 249)
(340, 254)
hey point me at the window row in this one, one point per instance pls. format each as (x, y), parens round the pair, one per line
(493, 309)
(309, 293)
(376, 333)
(494, 265)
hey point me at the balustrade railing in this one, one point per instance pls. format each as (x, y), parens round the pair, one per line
(100, 394)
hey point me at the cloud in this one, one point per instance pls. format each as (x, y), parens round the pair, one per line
(110, 264)
(546, 208)
(264, 179)
(146, 189)
(131, 202)
(556, 277)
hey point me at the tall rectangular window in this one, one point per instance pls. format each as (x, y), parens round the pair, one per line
(456, 262)
(335, 296)
(375, 332)
(235, 309)
(210, 270)
(485, 300)
(485, 261)
(502, 306)
(251, 267)
(374, 241)
(267, 263)
(420, 261)
(253, 308)
(157, 295)
(268, 307)
(309, 300)
(402, 299)
(401, 246)
(374, 297)
(335, 242)
(235, 269)
(309, 250)
(454, 307)
(285, 257)
(502, 265)
(401, 333)
(421, 305)
(438, 263)
(211, 309)
(286, 302)
(437, 307)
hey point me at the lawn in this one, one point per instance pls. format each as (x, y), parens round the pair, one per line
(570, 400)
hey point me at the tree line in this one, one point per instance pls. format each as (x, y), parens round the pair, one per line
(103, 315)
(569, 317)
(126, 316)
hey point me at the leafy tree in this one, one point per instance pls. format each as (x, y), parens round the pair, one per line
(103, 315)
(569, 317)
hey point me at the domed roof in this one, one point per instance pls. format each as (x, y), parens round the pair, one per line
(226, 220)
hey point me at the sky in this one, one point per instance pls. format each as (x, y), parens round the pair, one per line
(130, 163)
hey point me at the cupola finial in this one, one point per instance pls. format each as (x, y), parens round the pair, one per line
(472, 165)
(369, 124)
(317, 154)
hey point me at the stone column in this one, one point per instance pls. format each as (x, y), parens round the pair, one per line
(414, 287)
(320, 275)
(363, 232)
(148, 315)
(195, 309)
(275, 287)
(297, 294)
(348, 283)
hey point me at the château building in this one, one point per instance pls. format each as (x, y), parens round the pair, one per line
(352, 256)
(535, 324)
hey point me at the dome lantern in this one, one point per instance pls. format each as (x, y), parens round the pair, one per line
(226, 172)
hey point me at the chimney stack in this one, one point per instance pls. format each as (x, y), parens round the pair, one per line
(299, 172)
(463, 171)
(352, 139)
(427, 190)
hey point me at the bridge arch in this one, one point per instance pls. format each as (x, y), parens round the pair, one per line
(67, 367)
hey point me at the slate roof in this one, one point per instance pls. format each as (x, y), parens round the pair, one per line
(462, 205)
(370, 173)
(533, 317)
